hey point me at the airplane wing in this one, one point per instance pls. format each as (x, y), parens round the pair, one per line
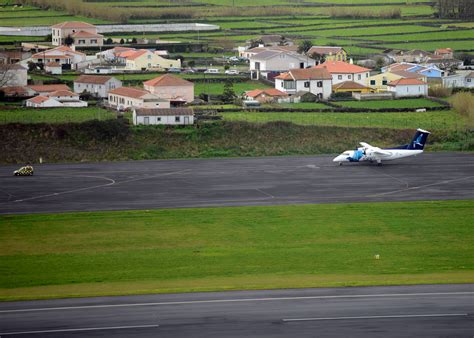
(375, 150)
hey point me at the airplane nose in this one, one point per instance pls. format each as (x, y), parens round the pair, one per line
(338, 158)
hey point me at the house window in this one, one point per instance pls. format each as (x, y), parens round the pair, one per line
(289, 84)
(349, 77)
(319, 84)
(359, 77)
(146, 120)
(468, 80)
(94, 41)
(339, 77)
(81, 42)
(149, 57)
(306, 84)
(366, 75)
(372, 82)
(158, 119)
(301, 65)
(257, 65)
(177, 119)
(384, 82)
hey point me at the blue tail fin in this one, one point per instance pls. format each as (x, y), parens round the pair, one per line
(418, 142)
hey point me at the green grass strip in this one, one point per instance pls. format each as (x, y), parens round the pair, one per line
(171, 250)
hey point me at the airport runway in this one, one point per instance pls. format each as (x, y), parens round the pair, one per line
(233, 182)
(399, 311)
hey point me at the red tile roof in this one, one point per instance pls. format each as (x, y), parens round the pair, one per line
(129, 92)
(62, 93)
(49, 88)
(407, 82)
(134, 54)
(73, 24)
(83, 34)
(408, 75)
(93, 79)
(340, 67)
(38, 99)
(269, 92)
(167, 80)
(306, 74)
(324, 50)
(349, 85)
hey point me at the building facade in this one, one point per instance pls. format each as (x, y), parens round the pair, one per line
(82, 33)
(312, 80)
(124, 98)
(97, 85)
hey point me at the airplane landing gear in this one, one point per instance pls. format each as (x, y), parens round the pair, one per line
(379, 162)
(340, 163)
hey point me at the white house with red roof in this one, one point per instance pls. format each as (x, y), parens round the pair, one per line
(408, 87)
(270, 63)
(46, 89)
(65, 56)
(317, 81)
(124, 98)
(267, 95)
(59, 98)
(97, 85)
(83, 34)
(172, 88)
(343, 71)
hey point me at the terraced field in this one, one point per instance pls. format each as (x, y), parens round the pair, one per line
(367, 30)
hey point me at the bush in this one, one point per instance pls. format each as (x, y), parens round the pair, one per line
(439, 91)
(463, 103)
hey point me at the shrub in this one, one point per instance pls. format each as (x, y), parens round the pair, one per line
(439, 91)
(463, 103)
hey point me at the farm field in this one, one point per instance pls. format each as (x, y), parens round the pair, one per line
(427, 120)
(405, 103)
(58, 255)
(54, 115)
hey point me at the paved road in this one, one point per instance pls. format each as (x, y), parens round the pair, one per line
(238, 181)
(407, 311)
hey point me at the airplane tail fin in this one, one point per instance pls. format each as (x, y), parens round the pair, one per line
(418, 142)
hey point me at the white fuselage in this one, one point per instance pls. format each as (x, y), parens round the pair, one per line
(362, 154)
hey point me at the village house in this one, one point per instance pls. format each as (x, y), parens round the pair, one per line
(414, 55)
(408, 88)
(268, 95)
(12, 75)
(270, 63)
(445, 53)
(431, 71)
(163, 116)
(317, 81)
(343, 71)
(60, 98)
(124, 98)
(65, 56)
(328, 53)
(247, 53)
(169, 87)
(13, 56)
(459, 80)
(144, 59)
(54, 68)
(96, 85)
(380, 81)
(111, 55)
(82, 33)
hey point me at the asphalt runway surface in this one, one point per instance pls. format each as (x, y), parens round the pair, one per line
(234, 182)
(399, 311)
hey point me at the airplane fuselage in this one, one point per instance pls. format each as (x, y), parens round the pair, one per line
(362, 154)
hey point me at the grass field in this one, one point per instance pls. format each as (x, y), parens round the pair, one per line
(104, 253)
(53, 115)
(427, 120)
(405, 103)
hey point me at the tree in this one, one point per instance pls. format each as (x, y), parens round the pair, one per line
(134, 40)
(122, 41)
(68, 41)
(228, 96)
(7, 74)
(109, 41)
(379, 62)
(455, 9)
(283, 41)
(31, 66)
(319, 58)
(191, 63)
(304, 46)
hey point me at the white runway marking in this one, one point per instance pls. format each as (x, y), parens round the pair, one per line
(376, 317)
(421, 186)
(242, 300)
(112, 182)
(81, 329)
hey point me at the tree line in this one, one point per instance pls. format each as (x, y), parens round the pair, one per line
(455, 9)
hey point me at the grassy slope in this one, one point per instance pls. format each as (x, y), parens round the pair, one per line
(405, 103)
(81, 254)
(54, 115)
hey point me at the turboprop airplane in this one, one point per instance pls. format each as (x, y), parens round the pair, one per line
(376, 154)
